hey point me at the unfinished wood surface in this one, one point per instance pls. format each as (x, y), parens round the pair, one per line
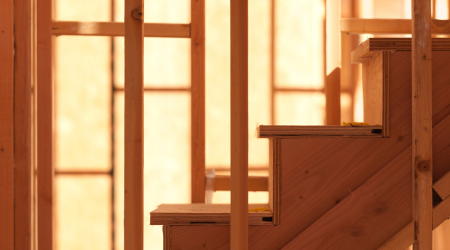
(275, 179)
(368, 216)
(7, 124)
(422, 140)
(45, 125)
(255, 183)
(198, 101)
(22, 125)
(333, 63)
(167, 236)
(134, 125)
(388, 26)
(118, 29)
(239, 124)
(372, 46)
(372, 84)
(284, 131)
(324, 171)
(206, 214)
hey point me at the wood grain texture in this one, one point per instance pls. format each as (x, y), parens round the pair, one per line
(134, 125)
(118, 29)
(283, 131)
(45, 125)
(22, 125)
(7, 124)
(206, 214)
(239, 124)
(372, 74)
(422, 140)
(442, 187)
(369, 215)
(333, 62)
(388, 26)
(319, 173)
(198, 101)
(167, 235)
(275, 179)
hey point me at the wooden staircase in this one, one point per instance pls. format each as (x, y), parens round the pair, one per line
(345, 187)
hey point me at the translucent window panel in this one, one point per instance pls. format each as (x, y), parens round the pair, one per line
(299, 108)
(83, 10)
(389, 8)
(259, 79)
(83, 212)
(159, 11)
(299, 45)
(218, 83)
(166, 62)
(441, 241)
(83, 100)
(166, 159)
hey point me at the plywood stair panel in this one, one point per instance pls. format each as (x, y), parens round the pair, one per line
(344, 192)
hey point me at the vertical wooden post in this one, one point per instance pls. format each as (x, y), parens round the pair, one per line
(44, 124)
(333, 62)
(22, 125)
(7, 124)
(197, 101)
(239, 124)
(134, 125)
(422, 124)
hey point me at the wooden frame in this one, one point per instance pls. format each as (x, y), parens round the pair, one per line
(118, 29)
(134, 125)
(388, 26)
(7, 124)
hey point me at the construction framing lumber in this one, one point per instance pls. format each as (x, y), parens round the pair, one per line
(23, 76)
(282, 131)
(198, 101)
(239, 124)
(388, 26)
(44, 125)
(206, 214)
(422, 140)
(255, 183)
(7, 124)
(442, 186)
(118, 29)
(275, 179)
(333, 63)
(134, 125)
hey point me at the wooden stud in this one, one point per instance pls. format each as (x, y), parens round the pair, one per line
(7, 124)
(167, 235)
(118, 29)
(134, 125)
(239, 124)
(198, 101)
(22, 125)
(333, 62)
(45, 124)
(275, 179)
(422, 166)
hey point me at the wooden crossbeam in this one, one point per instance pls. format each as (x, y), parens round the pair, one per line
(388, 26)
(255, 183)
(118, 29)
(134, 125)
(239, 124)
(422, 140)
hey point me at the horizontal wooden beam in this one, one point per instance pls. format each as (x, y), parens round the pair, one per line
(206, 214)
(118, 29)
(255, 183)
(388, 26)
(279, 131)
